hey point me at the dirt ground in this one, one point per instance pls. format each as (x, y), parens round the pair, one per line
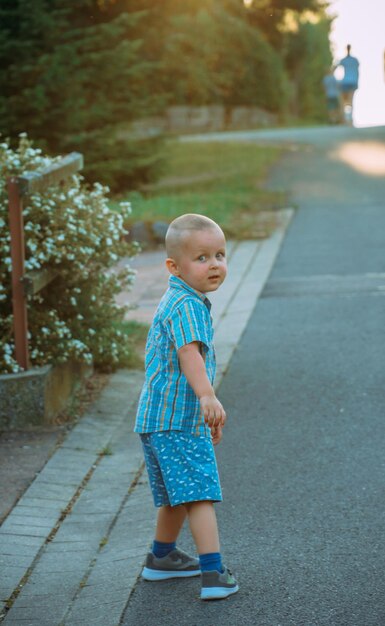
(22, 456)
(23, 453)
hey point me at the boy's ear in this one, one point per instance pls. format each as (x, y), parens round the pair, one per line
(172, 267)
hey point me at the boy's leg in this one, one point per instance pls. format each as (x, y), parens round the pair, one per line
(169, 523)
(217, 581)
(166, 560)
(203, 525)
(168, 526)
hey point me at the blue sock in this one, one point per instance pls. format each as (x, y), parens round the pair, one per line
(211, 561)
(161, 549)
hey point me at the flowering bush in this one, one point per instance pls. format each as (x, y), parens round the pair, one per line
(70, 228)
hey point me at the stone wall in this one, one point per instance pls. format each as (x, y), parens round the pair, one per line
(183, 119)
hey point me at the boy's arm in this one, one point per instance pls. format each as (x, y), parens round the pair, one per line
(193, 367)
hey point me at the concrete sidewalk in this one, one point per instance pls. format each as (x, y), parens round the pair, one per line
(72, 548)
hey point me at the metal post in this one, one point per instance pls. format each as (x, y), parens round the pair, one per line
(19, 304)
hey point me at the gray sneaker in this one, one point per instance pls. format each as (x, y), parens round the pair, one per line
(216, 586)
(177, 564)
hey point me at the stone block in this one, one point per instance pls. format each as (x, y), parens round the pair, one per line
(250, 117)
(191, 119)
(159, 230)
(29, 543)
(14, 549)
(261, 118)
(110, 616)
(5, 592)
(140, 231)
(14, 560)
(177, 118)
(49, 584)
(47, 491)
(36, 502)
(143, 128)
(239, 117)
(35, 614)
(27, 531)
(34, 521)
(14, 620)
(12, 576)
(65, 565)
(36, 396)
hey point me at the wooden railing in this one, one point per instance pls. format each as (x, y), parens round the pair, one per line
(31, 283)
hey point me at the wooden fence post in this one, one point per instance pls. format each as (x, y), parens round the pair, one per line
(16, 226)
(30, 182)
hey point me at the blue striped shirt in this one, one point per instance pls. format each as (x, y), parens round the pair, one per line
(167, 401)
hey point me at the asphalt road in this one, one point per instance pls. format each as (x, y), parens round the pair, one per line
(302, 461)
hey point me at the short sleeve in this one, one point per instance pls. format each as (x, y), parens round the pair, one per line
(190, 322)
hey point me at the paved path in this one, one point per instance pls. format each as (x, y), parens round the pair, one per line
(73, 546)
(302, 460)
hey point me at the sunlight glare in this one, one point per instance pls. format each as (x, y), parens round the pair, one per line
(365, 157)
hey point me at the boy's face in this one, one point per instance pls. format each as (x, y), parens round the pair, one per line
(201, 261)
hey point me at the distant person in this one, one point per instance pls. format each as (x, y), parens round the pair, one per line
(333, 100)
(349, 83)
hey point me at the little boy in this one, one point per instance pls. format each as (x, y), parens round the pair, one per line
(179, 416)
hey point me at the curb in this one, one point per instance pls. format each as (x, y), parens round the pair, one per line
(67, 534)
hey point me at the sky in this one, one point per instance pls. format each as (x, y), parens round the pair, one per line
(362, 24)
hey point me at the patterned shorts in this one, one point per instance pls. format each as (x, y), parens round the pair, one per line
(181, 467)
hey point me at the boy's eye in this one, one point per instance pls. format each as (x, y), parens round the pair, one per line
(202, 258)
(220, 255)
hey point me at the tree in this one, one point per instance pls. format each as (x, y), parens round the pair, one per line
(269, 15)
(308, 58)
(215, 57)
(74, 74)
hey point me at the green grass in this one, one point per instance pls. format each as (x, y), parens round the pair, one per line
(221, 180)
(107, 451)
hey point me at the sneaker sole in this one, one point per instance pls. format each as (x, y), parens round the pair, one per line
(153, 574)
(217, 593)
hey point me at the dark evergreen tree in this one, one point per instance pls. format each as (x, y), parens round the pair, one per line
(75, 75)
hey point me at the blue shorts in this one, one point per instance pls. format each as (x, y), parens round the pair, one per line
(345, 88)
(181, 467)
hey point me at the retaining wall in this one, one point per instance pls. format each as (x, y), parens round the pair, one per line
(37, 396)
(184, 119)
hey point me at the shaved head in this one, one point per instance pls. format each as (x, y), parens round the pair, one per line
(182, 227)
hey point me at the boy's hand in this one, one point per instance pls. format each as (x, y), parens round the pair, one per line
(213, 411)
(216, 434)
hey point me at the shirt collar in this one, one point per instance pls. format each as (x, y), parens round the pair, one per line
(177, 283)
